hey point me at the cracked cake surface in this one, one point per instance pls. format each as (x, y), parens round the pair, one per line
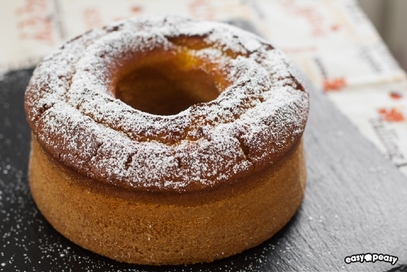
(259, 113)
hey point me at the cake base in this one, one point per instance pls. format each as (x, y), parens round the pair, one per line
(167, 229)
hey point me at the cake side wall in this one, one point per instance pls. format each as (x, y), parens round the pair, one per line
(152, 233)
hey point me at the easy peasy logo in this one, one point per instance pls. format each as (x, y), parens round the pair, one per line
(371, 258)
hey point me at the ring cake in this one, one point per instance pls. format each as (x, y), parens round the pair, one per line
(164, 140)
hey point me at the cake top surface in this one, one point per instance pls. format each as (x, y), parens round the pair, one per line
(259, 115)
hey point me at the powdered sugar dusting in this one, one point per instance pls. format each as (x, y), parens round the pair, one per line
(256, 119)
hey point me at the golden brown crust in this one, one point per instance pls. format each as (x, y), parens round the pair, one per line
(152, 232)
(215, 173)
(256, 113)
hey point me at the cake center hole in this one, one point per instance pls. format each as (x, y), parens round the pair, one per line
(165, 88)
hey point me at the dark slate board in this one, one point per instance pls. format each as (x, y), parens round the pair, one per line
(355, 202)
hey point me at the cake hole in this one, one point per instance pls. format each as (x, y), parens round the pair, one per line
(166, 87)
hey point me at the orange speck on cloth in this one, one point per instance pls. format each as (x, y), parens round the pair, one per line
(392, 115)
(333, 84)
(395, 95)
